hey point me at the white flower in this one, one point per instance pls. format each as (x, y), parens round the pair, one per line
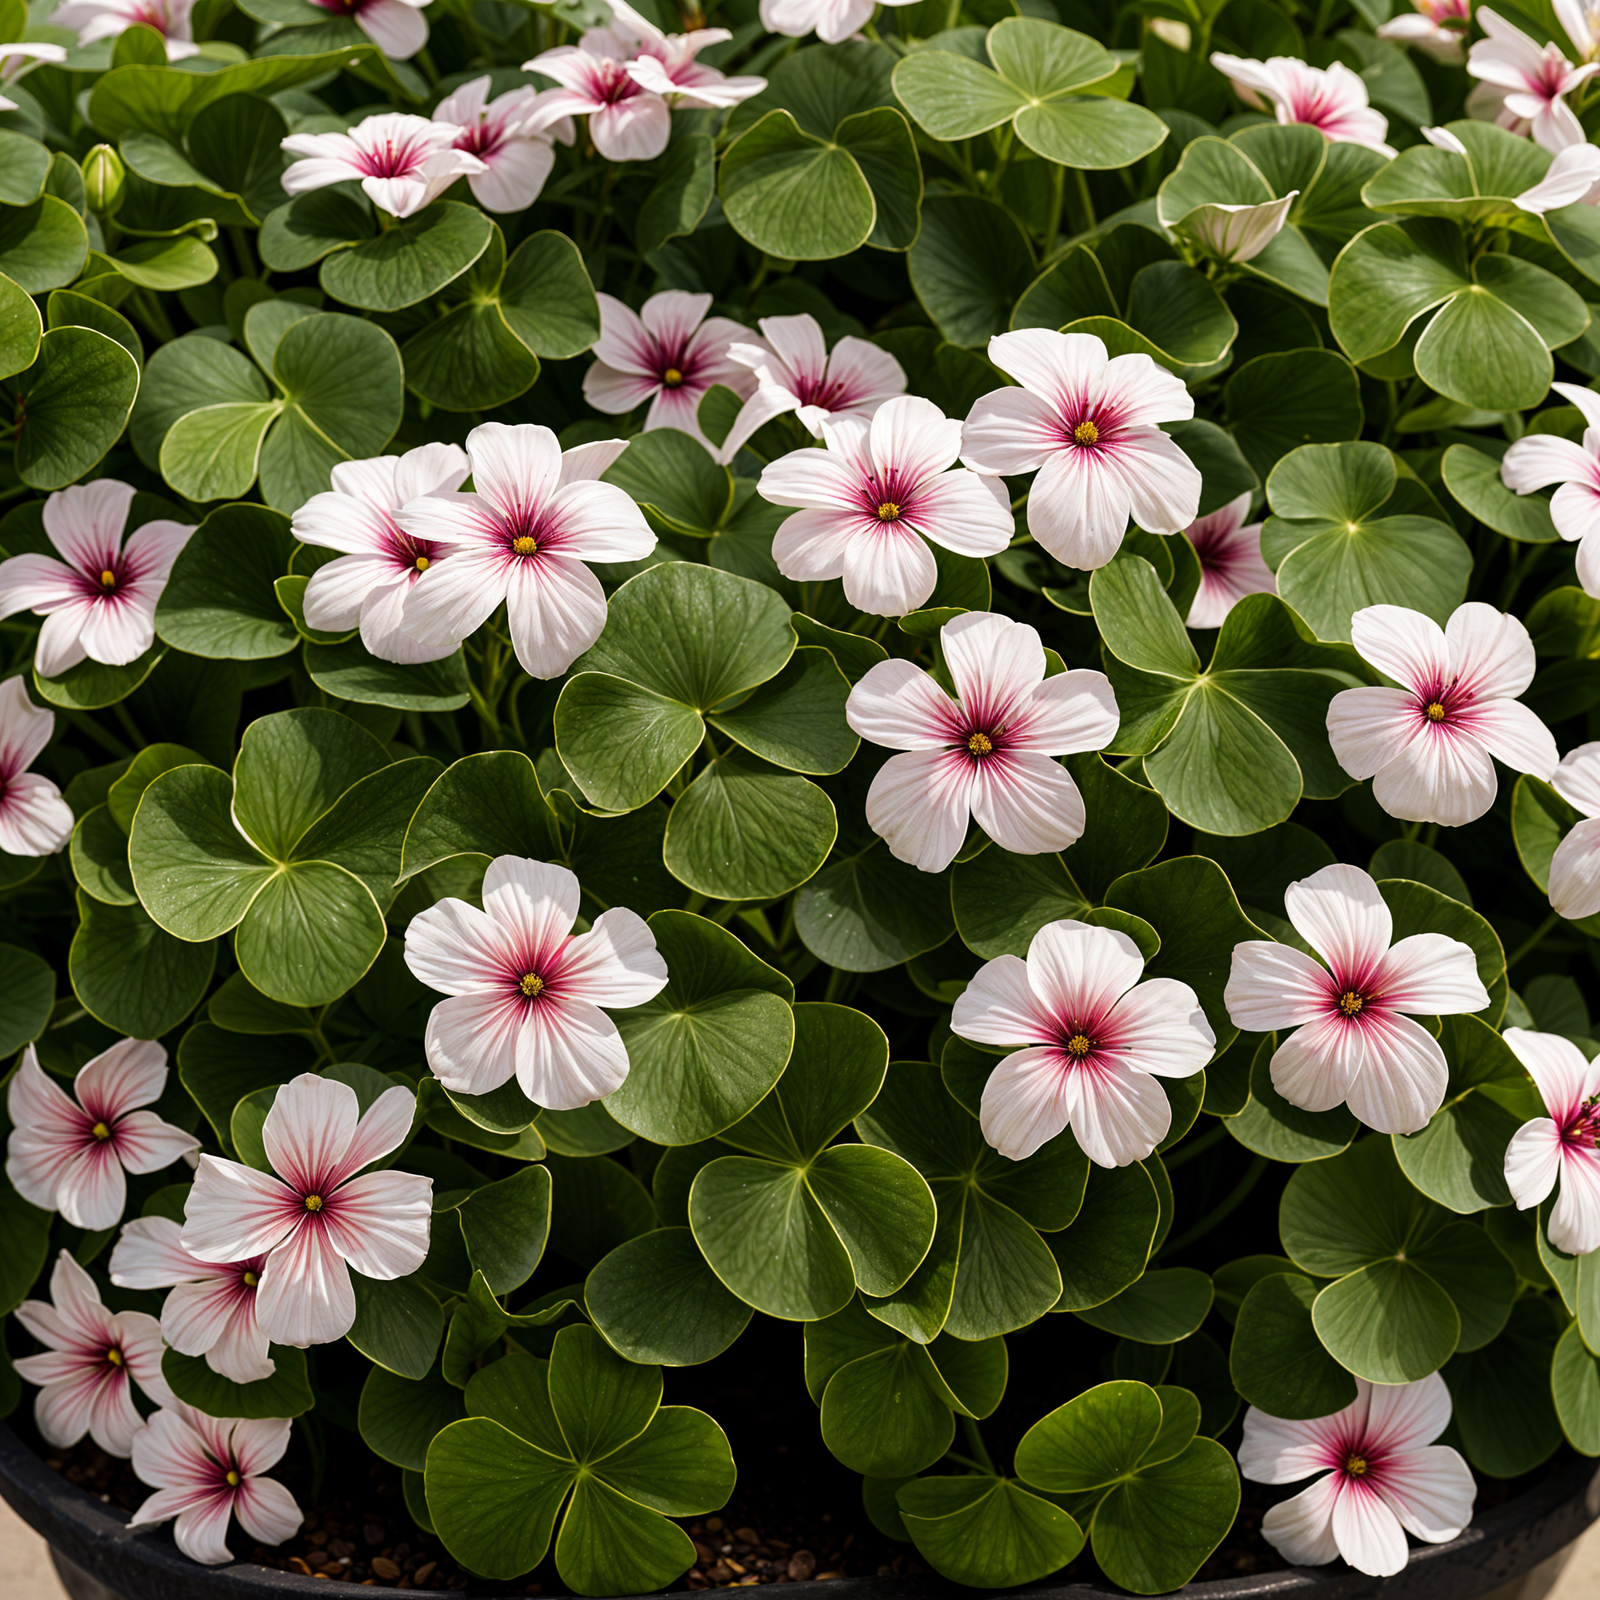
(93, 20)
(69, 1155)
(1230, 563)
(831, 20)
(211, 1311)
(521, 538)
(1559, 1149)
(1573, 179)
(1384, 1477)
(1333, 99)
(525, 995)
(665, 63)
(395, 26)
(1236, 233)
(1095, 1034)
(795, 371)
(207, 1470)
(16, 58)
(1575, 866)
(871, 499)
(1428, 28)
(627, 122)
(369, 583)
(34, 819)
(986, 754)
(1087, 424)
(100, 600)
(511, 135)
(91, 1361)
(1427, 744)
(403, 163)
(1529, 81)
(1539, 459)
(1353, 1040)
(316, 1219)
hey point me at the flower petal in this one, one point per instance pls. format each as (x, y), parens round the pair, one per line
(919, 803)
(305, 1296)
(1403, 1075)
(306, 1134)
(379, 1223)
(1340, 914)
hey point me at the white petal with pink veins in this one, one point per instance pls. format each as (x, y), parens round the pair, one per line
(899, 706)
(34, 582)
(577, 1057)
(383, 625)
(1403, 1076)
(517, 174)
(996, 664)
(1073, 711)
(92, 1191)
(636, 129)
(1575, 872)
(117, 630)
(958, 509)
(1281, 1450)
(1117, 1115)
(34, 819)
(428, 469)
(673, 315)
(819, 480)
(555, 609)
(215, 1321)
(1588, 563)
(1024, 1102)
(919, 804)
(1403, 645)
(615, 392)
(336, 592)
(396, 28)
(1491, 651)
(144, 1143)
(379, 1223)
(1027, 803)
(77, 1301)
(1533, 1162)
(1300, 1529)
(1314, 1067)
(85, 522)
(1515, 735)
(1001, 1006)
(305, 1297)
(25, 728)
(678, 408)
(616, 963)
(60, 644)
(1565, 1077)
(307, 1132)
(384, 1126)
(1160, 1028)
(471, 1041)
(1078, 970)
(1574, 1223)
(1063, 368)
(767, 402)
(1141, 393)
(514, 466)
(233, 1212)
(267, 1511)
(599, 522)
(810, 546)
(259, 1444)
(1577, 779)
(1440, 777)
(1369, 728)
(1407, 1416)
(153, 548)
(1540, 459)
(201, 1530)
(535, 902)
(1431, 1492)
(1011, 431)
(149, 1254)
(1367, 1532)
(456, 948)
(169, 1454)
(1078, 508)
(913, 437)
(888, 570)
(1163, 484)
(1340, 914)
(63, 1412)
(1272, 986)
(1429, 972)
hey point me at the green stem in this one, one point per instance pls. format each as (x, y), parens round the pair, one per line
(1052, 228)
(1223, 1209)
(1082, 181)
(975, 1443)
(1529, 944)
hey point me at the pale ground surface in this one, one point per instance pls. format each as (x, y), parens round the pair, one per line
(26, 1574)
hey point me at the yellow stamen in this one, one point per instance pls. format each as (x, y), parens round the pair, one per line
(525, 546)
(1435, 711)
(1351, 1003)
(233, 1479)
(101, 1131)
(422, 563)
(108, 579)
(980, 744)
(672, 377)
(1356, 1466)
(532, 984)
(114, 1357)
(251, 1280)
(313, 1202)
(888, 512)
(1079, 1045)
(1086, 433)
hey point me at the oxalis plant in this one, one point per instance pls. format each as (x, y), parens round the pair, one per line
(909, 672)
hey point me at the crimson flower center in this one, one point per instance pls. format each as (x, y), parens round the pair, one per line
(1584, 1128)
(531, 985)
(313, 1203)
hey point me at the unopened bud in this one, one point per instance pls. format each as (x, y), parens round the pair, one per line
(104, 178)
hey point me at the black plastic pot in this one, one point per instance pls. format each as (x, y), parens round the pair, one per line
(1514, 1552)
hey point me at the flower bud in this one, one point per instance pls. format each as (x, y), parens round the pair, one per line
(104, 178)
(1236, 233)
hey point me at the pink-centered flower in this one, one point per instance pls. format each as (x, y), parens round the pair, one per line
(1086, 423)
(1530, 82)
(70, 1155)
(1231, 567)
(16, 58)
(1436, 27)
(525, 995)
(99, 600)
(207, 1470)
(987, 754)
(795, 371)
(511, 135)
(1573, 179)
(1427, 744)
(665, 63)
(831, 20)
(1331, 99)
(871, 502)
(91, 1361)
(521, 538)
(211, 1311)
(403, 163)
(1575, 866)
(1385, 1477)
(315, 1219)
(1353, 1041)
(668, 353)
(34, 819)
(1537, 460)
(368, 584)
(1097, 1039)
(397, 27)
(1559, 1150)
(1580, 20)
(93, 20)
(627, 122)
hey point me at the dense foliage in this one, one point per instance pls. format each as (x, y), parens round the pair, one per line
(663, 675)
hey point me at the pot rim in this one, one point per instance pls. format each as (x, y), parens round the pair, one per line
(1529, 1528)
